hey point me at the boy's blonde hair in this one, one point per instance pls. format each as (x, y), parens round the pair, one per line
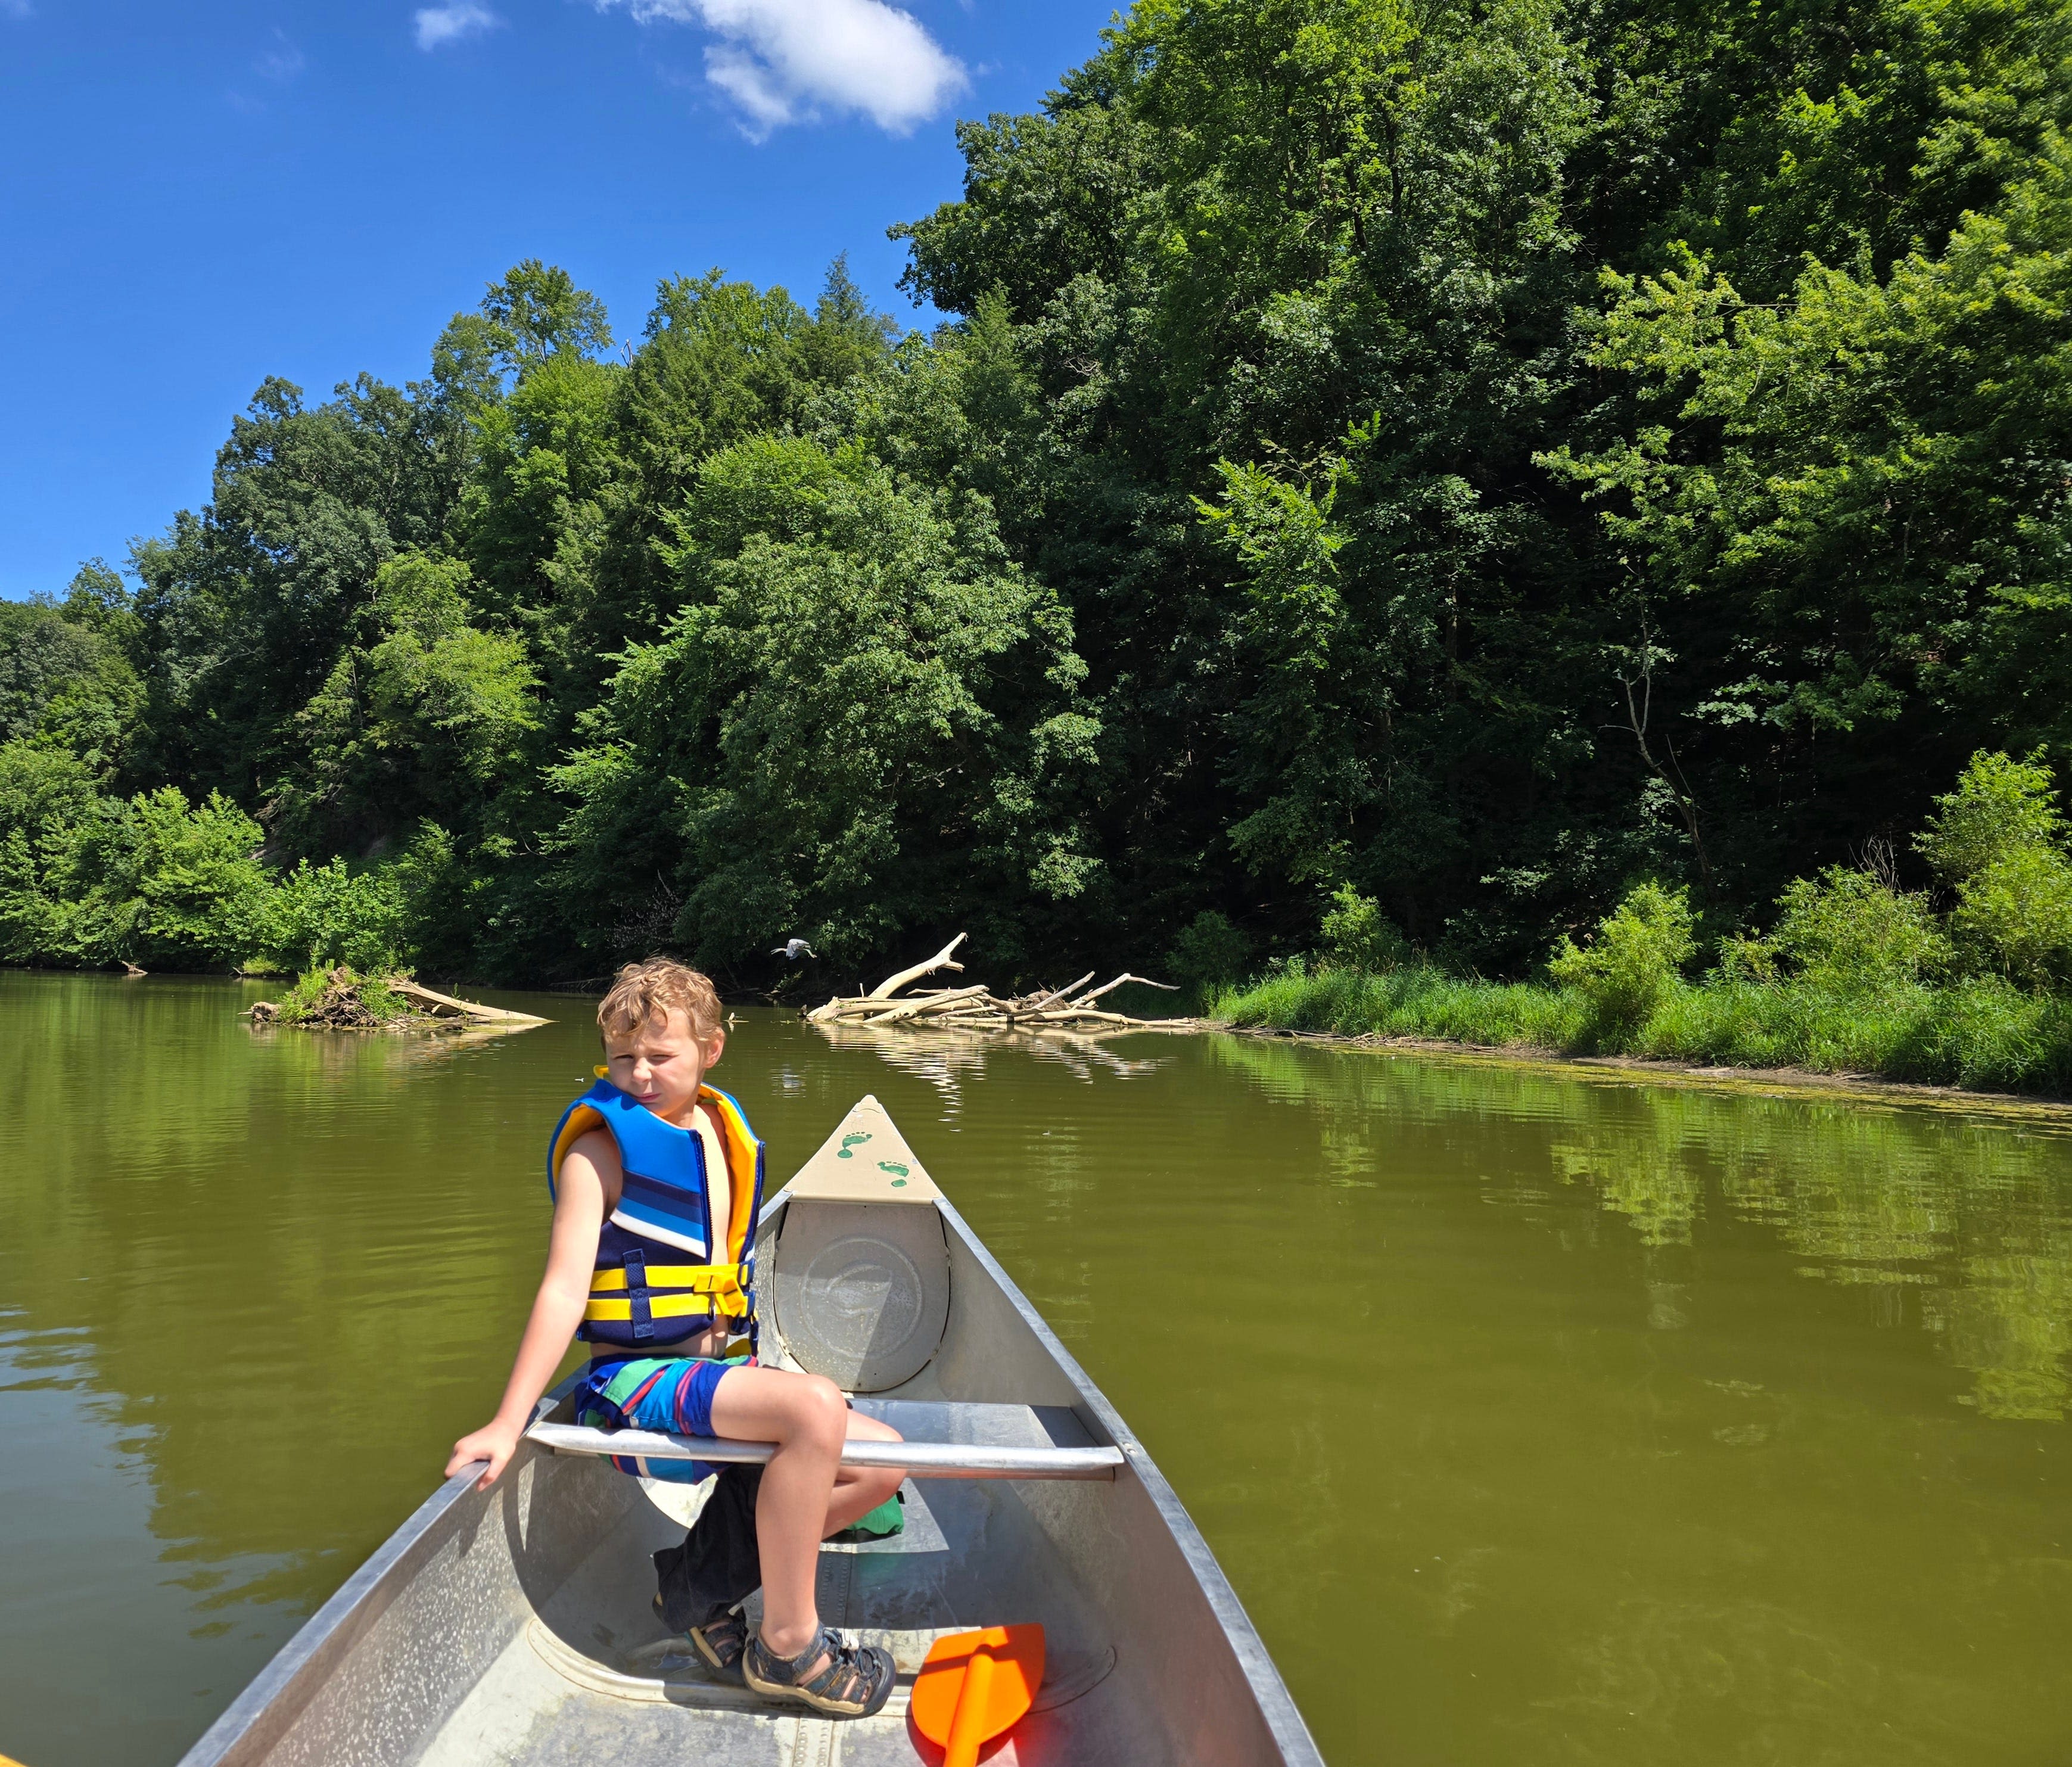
(653, 986)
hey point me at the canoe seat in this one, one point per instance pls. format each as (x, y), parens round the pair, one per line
(943, 1440)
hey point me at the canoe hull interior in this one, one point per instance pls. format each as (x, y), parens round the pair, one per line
(514, 1625)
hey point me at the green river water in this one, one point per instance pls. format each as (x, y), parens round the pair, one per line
(1538, 1416)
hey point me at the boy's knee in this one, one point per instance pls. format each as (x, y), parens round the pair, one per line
(823, 1411)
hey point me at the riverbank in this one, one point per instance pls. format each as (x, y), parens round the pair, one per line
(1980, 1038)
(1862, 1089)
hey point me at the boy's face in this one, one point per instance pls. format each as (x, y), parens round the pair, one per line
(662, 1063)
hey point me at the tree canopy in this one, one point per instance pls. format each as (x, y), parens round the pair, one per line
(1466, 458)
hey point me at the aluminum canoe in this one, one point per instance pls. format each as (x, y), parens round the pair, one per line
(514, 1625)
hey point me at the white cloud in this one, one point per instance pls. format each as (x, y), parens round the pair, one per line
(785, 61)
(438, 26)
(283, 61)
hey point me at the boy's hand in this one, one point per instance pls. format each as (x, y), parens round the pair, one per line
(494, 1443)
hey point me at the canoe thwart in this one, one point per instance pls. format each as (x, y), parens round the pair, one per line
(940, 1440)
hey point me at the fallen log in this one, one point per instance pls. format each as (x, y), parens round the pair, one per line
(934, 1003)
(447, 1006)
(340, 1000)
(1054, 1012)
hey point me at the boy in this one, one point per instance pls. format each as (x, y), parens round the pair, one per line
(657, 1180)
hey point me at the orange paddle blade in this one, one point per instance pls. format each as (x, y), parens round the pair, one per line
(976, 1686)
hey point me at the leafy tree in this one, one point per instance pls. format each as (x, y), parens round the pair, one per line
(165, 883)
(67, 683)
(863, 711)
(1358, 935)
(1446, 461)
(426, 720)
(2018, 911)
(1208, 953)
(537, 315)
(246, 605)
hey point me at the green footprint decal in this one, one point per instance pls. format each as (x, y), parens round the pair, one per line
(848, 1141)
(892, 1166)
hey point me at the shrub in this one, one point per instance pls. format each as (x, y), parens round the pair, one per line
(2016, 912)
(1633, 964)
(1999, 805)
(1358, 935)
(338, 998)
(1848, 932)
(321, 915)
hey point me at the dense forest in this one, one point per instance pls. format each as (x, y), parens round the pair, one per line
(1462, 461)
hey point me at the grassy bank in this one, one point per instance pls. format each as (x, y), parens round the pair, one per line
(1981, 1033)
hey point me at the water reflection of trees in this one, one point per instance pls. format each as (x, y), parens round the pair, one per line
(257, 1232)
(1971, 1214)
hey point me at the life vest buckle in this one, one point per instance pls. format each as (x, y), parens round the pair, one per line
(641, 1317)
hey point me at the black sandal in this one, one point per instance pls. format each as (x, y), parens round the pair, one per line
(856, 1682)
(721, 1642)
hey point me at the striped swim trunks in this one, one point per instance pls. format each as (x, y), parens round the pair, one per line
(673, 1394)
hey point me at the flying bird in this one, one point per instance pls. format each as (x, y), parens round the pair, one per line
(793, 949)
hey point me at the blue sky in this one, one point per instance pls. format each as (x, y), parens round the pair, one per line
(197, 196)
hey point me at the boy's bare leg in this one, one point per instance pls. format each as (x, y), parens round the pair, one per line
(860, 1490)
(805, 1494)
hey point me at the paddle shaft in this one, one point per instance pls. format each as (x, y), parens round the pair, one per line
(968, 1728)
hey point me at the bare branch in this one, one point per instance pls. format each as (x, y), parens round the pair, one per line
(1056, 993)
(886, 989)
(1106, 987)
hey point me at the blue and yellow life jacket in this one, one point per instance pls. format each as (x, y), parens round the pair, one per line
(664, 1272)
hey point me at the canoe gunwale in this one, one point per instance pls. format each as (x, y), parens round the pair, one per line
(360, 1600)
(1284, 1719)
(270, 1701)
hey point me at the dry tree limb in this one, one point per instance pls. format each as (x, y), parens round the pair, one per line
(844, 1007)
(447, 1006)
(911, 1009)
(1060, 1012)
(1109, 988)
(1039, 1003)
(886, 989)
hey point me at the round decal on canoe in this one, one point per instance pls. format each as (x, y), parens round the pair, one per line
(862, 1292)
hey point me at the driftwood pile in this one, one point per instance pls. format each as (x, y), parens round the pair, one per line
(339, 1007)
(978, 1008)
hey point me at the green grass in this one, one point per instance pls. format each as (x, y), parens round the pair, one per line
(1983, 1034)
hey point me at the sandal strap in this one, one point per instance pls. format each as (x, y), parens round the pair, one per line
(844, 1678)
(730, 1631)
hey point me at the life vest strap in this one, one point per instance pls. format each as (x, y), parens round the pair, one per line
(731, 1304)
(700, 1279)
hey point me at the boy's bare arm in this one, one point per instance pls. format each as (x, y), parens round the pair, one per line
(557, 1310)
